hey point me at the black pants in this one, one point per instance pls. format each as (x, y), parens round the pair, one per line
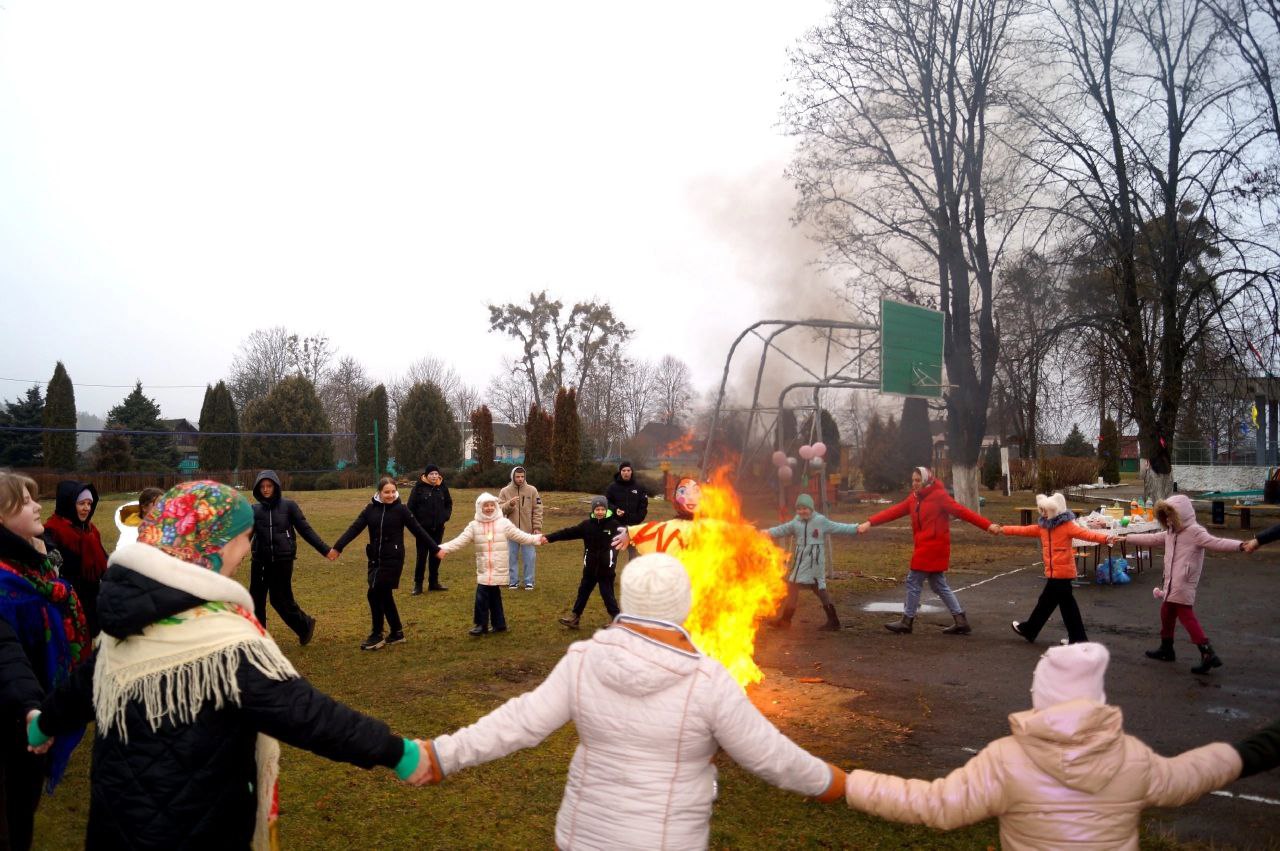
(1056, 595)
(489, 605)
(275, 578)
(21, 776)
(382, 605)
(590, 579)
(424, 559)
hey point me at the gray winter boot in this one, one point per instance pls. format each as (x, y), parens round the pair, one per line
(902, 627)
(960, 627)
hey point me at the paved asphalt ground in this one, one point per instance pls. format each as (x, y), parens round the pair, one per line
(949, 695)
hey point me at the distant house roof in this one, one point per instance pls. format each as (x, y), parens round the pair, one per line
(185, 439)
(505, 434)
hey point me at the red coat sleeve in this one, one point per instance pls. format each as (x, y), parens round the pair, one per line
(902, 509)
(955, 509)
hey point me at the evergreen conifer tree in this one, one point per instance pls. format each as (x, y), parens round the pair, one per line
(425, 430)
(566, 437)
(59, 448)
(291, 406)
(22, 448)
(482, 436)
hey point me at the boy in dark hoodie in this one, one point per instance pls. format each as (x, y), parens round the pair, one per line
(627, 499)
(599, 558)
(431, 504)
(277, 522)
(71, 531)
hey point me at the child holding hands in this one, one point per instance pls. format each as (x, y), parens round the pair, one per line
(1184, 541)
(1056, 529)
(490, 532)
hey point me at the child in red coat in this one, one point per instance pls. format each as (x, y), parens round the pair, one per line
(931, 509)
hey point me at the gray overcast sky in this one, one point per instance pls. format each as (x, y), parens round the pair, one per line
(174, 175)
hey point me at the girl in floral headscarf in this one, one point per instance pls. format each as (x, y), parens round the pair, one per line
(43, 614)
(190, 693)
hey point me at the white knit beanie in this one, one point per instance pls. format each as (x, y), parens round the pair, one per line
(1073, 672)
(656, 586)
(1053, 504)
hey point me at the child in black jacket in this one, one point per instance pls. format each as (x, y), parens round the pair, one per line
(431, 503)
(386, 518)
(277, 524)
(599, 559)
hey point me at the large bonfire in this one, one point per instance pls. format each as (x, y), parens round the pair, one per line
(737, 578)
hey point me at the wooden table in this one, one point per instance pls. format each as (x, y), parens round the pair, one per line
(1140, 555)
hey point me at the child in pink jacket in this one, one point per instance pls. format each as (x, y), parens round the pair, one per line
(1184, 541)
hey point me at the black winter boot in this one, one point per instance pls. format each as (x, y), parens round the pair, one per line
(833, 622)
(902, 627)
(783, 620)
(1165, 653)
(1208, 659)
(572, 621)
(960, 627)
(417, 590)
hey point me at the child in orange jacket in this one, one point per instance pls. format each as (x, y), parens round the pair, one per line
(1056, 529)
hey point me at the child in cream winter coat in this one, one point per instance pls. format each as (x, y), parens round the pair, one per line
(1067, 777)
(490, 532)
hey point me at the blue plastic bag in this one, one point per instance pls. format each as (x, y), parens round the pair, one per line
(1119, 570)
(1102, 573)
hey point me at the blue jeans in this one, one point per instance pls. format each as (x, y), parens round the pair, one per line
(530, 557)
(938, 582)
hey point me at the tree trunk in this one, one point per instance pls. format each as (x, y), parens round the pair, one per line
(1156, 486)
(964, 478)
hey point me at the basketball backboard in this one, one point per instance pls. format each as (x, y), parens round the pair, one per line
(910, 350)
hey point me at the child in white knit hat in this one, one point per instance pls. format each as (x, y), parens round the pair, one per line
(1056, 530)
(651, 711)
(1067, 777)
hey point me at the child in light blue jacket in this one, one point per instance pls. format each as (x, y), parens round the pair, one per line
(809, 559)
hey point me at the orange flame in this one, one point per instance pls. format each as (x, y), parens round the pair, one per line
(679, 446)
(737, 578)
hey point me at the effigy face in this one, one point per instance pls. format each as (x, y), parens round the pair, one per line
(687, 496)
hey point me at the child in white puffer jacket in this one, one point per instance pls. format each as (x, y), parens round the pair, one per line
(651, 711)
(490, 532)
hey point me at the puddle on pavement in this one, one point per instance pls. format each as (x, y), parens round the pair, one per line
(896, 608)
(1228, 712)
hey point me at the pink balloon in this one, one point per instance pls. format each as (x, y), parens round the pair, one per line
(805, 452)
(779, 459)
(820, 449)
(784, 474)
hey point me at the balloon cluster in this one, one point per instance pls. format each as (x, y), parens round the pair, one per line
(811, 455)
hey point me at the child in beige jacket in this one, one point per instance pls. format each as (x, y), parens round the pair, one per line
(1068, 776)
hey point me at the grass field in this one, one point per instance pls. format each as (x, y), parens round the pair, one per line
(442, 679)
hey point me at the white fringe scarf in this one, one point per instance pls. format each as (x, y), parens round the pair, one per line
(182, 662)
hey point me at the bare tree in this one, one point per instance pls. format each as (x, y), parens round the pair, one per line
(640, 401)
(265, 358)
(1143, 132)
(557, 348)
(311, 357)
(429, 369)
(902, 177)
(342, 390)
(674, 385)
(510, 394)
(464, 399)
